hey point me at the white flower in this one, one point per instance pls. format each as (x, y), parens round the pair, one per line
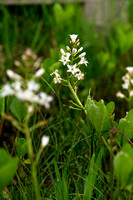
(82, 55)
(119, 94)
(40, 72)
(65, 57)
(131, 93)
(129, 69)
(74, 51)
(79, 76)
(73, 37)
(30, 109)
(125, 85)
(45, 99)
(81, 48)
(131, 81)
(57, 79)
(32, 85)
(7, 90)
(17, 63)
(55, 73)
(16, 85)
(126, 77)
(83, 61)
(45, 140)
(13, 75)
(25, 95)
(72, 69)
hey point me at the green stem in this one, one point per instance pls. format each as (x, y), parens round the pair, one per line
(75, 95)
(33, 166)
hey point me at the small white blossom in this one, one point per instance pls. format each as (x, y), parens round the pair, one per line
(82, 55)
(79, 76)
(30, 109)
(131, 81)
(16, 85)
(131, 93)
(81, 48)
(7, 90)
(73, 37)
(45, 140)
(40, 72)
(72, 69)
(13, 75)
(74, 51)
(125, 85)
(57, 79)
(32, 85)
(129, 69)
(67, 48)
(17, 63)
(65, 57)
(25, 95)
(119, 94)
(45, 99)
(55, 73)
(83, 61)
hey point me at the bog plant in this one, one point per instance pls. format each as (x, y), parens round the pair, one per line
(105, 138)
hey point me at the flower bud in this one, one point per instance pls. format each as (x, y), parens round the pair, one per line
(45, 140)
(74, 51)
(67, 48)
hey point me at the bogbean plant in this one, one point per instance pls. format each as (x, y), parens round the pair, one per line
(28, 92)
(97, 121)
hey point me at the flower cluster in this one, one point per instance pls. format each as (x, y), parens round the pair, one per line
(128, 83)
(73, 59)
(29, 59)
(26, 90)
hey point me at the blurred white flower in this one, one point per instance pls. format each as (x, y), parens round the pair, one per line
(119, 94)
(13, 75)
(131, 93)
(45, 99)
(129, 69)
(74, 51)
(32, 85)
(82, 55)
(45, 140)
(79, 76)
(40, 72)
(16, 85)
(7, 90)
(81, 48)
(73, 37)
(72, 69)
(83, 61)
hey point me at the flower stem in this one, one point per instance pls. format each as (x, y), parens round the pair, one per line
(75, 95)
(33, 166)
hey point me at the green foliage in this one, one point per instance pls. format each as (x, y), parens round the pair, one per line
(126, 127)
(2, 107)
(8, 168)
(91, 178)
(123, 166)
(61, 188)
(17, 109)
(21, 146)
(100, 115)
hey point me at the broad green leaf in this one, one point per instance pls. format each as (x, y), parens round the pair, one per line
(96, 114)
(126, 128)
(123, 169)
(110, 107)
(129, 116)
(21, 146)
(8, 167)
(91, 178)
(17, 108)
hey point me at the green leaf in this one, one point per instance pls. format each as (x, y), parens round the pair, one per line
(21, 146)
(2, 106)
(96, 114)
(126, 128)
(8, 167)
(111, 107)
(129, 116)
(91, 178)
(123, 168)
(17, 109)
